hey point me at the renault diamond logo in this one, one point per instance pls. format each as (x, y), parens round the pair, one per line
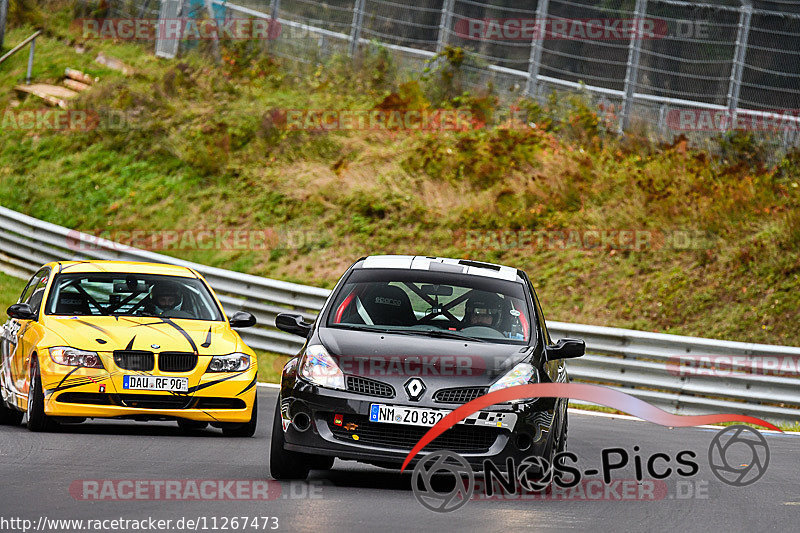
(414, 387)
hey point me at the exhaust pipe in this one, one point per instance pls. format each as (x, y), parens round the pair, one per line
(523, 442)
(301, 422)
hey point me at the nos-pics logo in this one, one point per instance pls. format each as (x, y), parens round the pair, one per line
(443, 481)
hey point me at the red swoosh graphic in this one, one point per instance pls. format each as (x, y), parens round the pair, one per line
(590, 393)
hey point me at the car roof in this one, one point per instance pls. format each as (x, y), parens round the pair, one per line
(81, 267)
(441, 264)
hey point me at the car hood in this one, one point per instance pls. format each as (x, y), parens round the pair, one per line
(394, 358)
(108, 333)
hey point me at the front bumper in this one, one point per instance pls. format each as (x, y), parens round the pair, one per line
(91, 393)
(389, 444)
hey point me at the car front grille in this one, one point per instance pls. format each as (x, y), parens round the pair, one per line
(177, 361)
(369, 387)
(134, 360)
(459, 395)
(153, 401)
(91, 398)
(220, 403)
(459, 438)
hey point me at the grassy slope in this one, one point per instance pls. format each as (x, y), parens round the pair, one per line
(10, 289)
(209, 156)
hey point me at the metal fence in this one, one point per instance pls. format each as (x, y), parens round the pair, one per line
(639, 363)
(721, 60)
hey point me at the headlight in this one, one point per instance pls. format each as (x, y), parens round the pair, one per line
(522, 374)
(319, 368)
(64, 355)
(235, 362)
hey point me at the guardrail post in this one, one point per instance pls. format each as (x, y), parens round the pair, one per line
(355, 30)
(164, 47)
(662, 119)
(275, 8)
(30, 62)
(737, 68)
(3, 15)
(444, 25)
(632, 70)
(274, 13)
(788, 139)
(215, 38)
(537, 44)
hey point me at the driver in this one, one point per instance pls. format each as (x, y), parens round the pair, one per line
(483, 309)
(166, 299)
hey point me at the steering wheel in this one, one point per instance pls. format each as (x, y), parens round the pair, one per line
(482, 331)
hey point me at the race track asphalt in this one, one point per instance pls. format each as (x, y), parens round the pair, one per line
(38, 469)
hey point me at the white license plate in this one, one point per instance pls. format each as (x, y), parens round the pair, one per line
(160, 383)
(417, 416)
(411, 416)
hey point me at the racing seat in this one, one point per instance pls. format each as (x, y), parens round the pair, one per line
(72, 303)
(387, 305)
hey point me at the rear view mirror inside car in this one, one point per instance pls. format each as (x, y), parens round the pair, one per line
(437, 290)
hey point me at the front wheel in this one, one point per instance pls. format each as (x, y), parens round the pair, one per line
(562, 442)
(37, 419)
(247, 429)
(284, 464)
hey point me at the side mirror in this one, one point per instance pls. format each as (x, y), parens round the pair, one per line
(293, 324)
(21, 312)
(566, 349)
(242, 319)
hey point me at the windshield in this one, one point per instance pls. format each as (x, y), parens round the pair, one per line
(433, 303)
(121, 294)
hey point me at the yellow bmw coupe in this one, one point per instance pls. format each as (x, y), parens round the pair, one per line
(105, 339)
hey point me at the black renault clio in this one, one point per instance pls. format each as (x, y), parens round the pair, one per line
(400, 343)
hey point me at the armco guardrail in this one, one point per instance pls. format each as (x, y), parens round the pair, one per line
(646, 365)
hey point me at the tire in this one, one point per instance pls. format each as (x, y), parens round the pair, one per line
(284, 464)
(248, 429)
(562, 441)
(187, 426)
(37, 419)
(10, 416)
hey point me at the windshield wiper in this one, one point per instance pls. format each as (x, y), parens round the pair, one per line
(372, 329)
(442, 334)
(424, 332)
